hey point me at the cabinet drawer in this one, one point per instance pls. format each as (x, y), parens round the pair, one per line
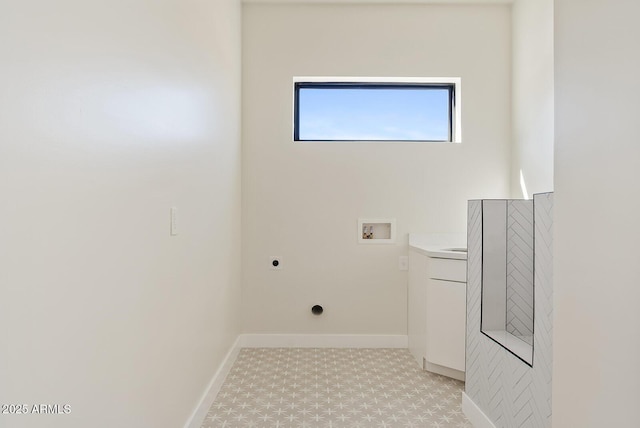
(448, 269)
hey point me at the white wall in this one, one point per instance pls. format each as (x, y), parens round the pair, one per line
(301, 201)
(110, 113)
(532, 75)
(597, 176)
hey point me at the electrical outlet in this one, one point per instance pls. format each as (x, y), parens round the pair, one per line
(173, 221)
(403, 262)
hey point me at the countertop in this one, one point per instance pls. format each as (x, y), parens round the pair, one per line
(439, 245)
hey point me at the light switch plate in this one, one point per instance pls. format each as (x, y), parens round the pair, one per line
(174, 224)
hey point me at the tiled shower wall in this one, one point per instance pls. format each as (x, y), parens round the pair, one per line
(507, 390)
(520, 267)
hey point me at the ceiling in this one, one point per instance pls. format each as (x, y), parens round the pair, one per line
(385, 1)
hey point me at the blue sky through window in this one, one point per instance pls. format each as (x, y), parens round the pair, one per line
(374, 114)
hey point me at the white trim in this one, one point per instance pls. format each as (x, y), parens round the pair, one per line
(476, 416)
(209, 395)
(323, 341)
(444, 371)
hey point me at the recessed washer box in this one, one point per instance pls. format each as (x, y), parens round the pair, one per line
(376, 230)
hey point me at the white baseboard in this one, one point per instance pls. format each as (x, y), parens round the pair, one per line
(476, 416)
(323, 341)
(444, 371)
(200, 412)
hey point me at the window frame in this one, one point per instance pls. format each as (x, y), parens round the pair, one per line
(451, 83)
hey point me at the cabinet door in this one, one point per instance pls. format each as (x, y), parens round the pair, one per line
(417, 305)
(446, 319)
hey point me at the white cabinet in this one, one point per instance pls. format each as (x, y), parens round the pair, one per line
(446, 323)
(448, 269)
(437, 312)
(417, 306)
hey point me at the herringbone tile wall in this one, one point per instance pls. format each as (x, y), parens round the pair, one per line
(520, 268)
(507, 390)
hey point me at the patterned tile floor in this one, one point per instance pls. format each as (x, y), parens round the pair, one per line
(312, 387)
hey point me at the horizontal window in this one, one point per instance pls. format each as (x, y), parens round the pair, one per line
(376, 110)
